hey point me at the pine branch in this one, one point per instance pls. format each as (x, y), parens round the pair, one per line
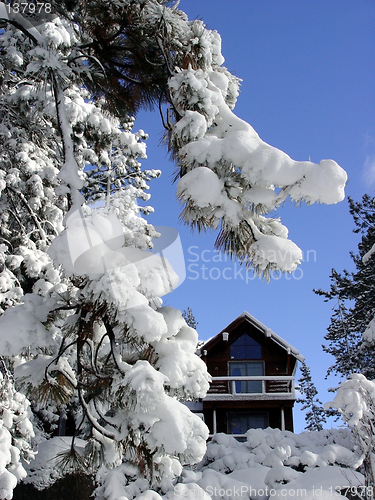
(93, 421)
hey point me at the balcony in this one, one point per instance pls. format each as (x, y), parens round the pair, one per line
(255, 388)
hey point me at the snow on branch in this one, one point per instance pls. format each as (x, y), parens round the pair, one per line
(229, 177)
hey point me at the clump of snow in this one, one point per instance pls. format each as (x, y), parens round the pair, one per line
(186, 372)
(22, 326)
(369, 334)
(280, 475)
(192, 126)
(202, 186)
(366, 258)
(274, 251)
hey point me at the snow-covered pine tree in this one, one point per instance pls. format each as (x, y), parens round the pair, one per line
(354, 294)
(90, 332)
(315, 415)
(355, 401)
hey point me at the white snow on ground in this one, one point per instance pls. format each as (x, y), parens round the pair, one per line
(280, 464)
(270, 464)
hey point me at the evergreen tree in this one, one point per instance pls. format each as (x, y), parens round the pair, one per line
(315, 415)
(189, 317)
(82, 310)
(354, 294)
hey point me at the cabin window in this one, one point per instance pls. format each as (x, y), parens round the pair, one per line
(245, 348)
(240, 423)
(246, 369)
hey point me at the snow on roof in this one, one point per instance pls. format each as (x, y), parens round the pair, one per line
(264, 329)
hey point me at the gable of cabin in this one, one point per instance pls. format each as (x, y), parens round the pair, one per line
(247, 342)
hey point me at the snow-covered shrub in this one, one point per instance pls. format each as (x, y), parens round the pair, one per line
(355, 400)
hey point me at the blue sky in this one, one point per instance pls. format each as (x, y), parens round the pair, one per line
(308, 72)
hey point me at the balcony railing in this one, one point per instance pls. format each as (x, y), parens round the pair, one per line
(252, 387)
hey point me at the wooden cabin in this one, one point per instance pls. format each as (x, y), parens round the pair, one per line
(253, 372)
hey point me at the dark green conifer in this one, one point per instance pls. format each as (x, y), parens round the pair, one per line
(354, 293)
(315, 415)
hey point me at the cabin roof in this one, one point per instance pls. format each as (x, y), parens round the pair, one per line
(267, 332)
